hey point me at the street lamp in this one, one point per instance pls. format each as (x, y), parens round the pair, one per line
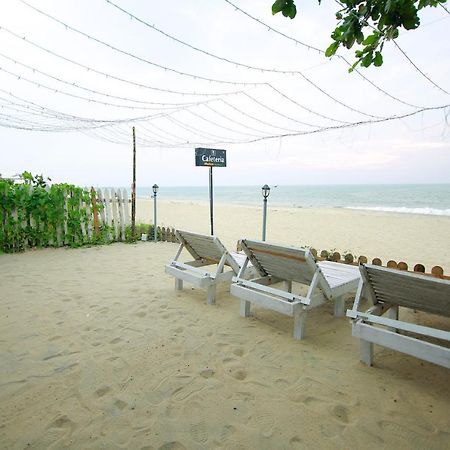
(265, 193)
(155, 188)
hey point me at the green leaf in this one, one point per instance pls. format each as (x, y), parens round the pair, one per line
(372, 39)
(351, 69)
(367, 60)
(278, 6)
(378, 60)
(331, 50)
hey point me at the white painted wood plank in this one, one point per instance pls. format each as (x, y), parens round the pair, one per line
(101, 200)
(264, 300)
(126, 207)
(121, 214)
(405, 344)
(115, 214)
(400, 325)
(108, 210)
(196, 280)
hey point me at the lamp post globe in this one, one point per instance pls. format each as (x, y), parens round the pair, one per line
(265, 193)
(155, 188)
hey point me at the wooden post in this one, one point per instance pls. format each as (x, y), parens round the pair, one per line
(125, 207)
(108, 210)
(133, 188)
(115, 214)
(121, 214)
(95, 211)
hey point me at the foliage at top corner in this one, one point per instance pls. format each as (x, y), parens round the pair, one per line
(368, 23)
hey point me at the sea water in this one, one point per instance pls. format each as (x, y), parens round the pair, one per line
(433, 199)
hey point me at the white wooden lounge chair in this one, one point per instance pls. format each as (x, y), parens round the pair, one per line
(206, 251)
(275, 263)
(388, 289)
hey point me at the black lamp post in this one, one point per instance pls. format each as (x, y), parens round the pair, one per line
(155, 188)
(265, 193)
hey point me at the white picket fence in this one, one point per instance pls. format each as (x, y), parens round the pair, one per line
(115, 212)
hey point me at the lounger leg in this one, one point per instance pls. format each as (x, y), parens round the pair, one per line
(211, 294)
(300, 324)
(339, 306)
(393, 314)
(287, 285)
(366, 349)
(245, 308)
(178, 284)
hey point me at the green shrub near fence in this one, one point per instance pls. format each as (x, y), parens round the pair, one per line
(35, 214)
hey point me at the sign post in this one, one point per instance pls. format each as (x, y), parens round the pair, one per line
(210, 157)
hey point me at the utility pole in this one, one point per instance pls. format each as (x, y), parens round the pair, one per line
(133, 189)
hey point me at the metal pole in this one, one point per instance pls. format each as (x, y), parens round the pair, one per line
(264, 219)
(211, 206)
(133, 189)
(154, 218)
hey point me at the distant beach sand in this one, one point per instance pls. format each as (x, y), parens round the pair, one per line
(411, 238)
(99, 351)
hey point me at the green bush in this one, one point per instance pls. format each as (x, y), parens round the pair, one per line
(35, 214)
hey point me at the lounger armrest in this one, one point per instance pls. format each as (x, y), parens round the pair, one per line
(399, 325)
(272, 291)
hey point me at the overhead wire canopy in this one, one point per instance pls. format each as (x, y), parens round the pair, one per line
(184, 82)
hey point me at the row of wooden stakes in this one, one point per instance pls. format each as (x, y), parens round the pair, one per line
(168, 235)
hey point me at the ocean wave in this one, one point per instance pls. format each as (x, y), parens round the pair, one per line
(404, 210)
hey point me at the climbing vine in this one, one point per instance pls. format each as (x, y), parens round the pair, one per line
(37, 214)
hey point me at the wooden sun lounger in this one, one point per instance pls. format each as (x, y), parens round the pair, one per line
(206, 251)
(389, 289)
(275, 263)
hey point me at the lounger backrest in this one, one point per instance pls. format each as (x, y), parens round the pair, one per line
(287, 263)
(414, 291)
(202, 246)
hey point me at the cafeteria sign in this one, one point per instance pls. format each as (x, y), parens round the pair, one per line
(210, 157)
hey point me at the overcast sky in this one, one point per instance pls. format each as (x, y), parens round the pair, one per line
(38, 88)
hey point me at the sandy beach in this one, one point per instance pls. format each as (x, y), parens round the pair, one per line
(99, 351)
(411, 238)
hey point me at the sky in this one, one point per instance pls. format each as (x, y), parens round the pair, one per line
(81, 97)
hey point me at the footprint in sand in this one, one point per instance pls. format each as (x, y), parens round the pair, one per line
(265, 423)
(239, 352)
(116, 340)
(120, 404)
(342, 414)
(198, 428)
(141, 314)
(56, 355)
(406, 434)
(63, 422)
(330, 429)
(295, 441)
(228, 360)
(227, 432)
(101, 392)
(239, 374)
(172, 446)
(207, 373)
